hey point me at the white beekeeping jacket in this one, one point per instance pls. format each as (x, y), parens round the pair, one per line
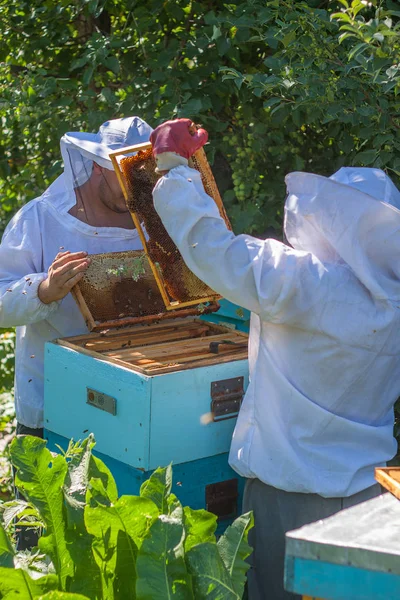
(324, 345)
(37, 233)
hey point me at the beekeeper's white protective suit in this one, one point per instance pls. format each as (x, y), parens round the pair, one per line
(30, 243)
(324, 342)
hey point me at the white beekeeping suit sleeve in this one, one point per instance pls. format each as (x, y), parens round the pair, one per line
(266, 277)
(21, 272)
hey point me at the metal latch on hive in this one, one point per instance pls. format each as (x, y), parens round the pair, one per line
(226, 398)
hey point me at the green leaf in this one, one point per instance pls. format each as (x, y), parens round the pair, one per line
(357, 49)
(81, 464)
(119, 530)
(6, 550)
(99, 471)
(210, 576)
(40, 477)
(16, 583)
(56, 595)
(200, 527)
(80, 62)
(112, 63)
(366, 158)
(234, 550)
(158, 487)
(161, 568)
(87, 75)
(341, 16)
(271, 102)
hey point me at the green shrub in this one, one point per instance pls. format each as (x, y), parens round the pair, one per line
(7, 344)
(98, 546)
(278, 85)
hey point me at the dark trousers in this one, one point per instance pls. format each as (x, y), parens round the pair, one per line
(26, 538)
(275, 513)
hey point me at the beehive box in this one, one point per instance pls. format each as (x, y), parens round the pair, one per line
(151, 394)
(153, 381)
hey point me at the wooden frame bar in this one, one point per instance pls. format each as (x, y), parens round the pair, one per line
(200, 160)
(152, 357)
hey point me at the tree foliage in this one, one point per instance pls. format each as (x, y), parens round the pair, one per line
(280, 85)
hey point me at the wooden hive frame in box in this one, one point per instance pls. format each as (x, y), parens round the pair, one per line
(178, 286)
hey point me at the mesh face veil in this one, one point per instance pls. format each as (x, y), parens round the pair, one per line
(89, 172)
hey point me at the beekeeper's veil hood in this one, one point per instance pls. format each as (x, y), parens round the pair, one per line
(79, 149)
(352, 218)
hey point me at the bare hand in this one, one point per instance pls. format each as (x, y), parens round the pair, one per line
(64, 272)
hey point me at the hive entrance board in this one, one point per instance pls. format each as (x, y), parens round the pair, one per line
(135, 167)
(164, 347)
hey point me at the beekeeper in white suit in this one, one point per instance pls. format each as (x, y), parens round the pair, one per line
(324, 339)
(44, 251)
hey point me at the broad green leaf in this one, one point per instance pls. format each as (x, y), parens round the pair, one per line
(118, 531)
(132, 514)
(158, 487)
(6, 550)
(87, 574)
(125, 567)
(200, 527)
(56, 595)
(40, 477)
(80, 62)
(98, 470)
(211, 579)
(77, 481)
(16, 583)
(366, 158)
(357, 49)
(112, 63)
(234, 550)
(16, 508)
(341, 16)
(160, 565)
(271, 102)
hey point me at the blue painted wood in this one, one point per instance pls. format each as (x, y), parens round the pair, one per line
(233, 311)
(68, 374)
(189, 479)
(231, 315)
(339, 582)
(158, 419)
(177, 404)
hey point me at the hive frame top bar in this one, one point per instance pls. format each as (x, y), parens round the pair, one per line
(201, 159)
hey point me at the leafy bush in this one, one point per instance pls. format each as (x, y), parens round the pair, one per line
(7, 343)
(7, 413)
(277, 84)
(98, 546)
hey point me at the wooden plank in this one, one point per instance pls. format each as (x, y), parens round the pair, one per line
(146, 338)
(200, 159)
(216, 359)
(149, 319)
(142, 329)
(158, 368)
(182, 347)
(389, 477)
(83, 307)
(178, 358)
(144, 335)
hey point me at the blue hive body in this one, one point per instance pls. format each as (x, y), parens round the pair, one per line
(142, 421)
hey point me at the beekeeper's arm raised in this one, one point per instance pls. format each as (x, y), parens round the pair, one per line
(264, 276)
(29, 294)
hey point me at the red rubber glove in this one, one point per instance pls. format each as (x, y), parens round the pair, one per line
(180, 136)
